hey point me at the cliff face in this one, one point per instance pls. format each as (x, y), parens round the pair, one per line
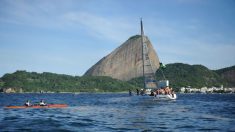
(125, 62)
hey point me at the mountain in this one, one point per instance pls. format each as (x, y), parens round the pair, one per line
(228, 74)
(183, 75)
(191, 75)
(125, 62)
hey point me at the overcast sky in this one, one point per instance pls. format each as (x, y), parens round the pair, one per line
(69, 36)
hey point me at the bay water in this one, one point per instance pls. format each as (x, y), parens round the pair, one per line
(119, 112)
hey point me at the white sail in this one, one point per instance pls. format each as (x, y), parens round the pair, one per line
(148, 70)
(150, 82)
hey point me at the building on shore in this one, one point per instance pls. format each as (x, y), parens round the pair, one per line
(207, 90)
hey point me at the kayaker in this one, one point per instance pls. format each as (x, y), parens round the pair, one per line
(42, 103)
(27, 103)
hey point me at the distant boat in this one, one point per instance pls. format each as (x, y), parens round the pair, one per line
(159, 90)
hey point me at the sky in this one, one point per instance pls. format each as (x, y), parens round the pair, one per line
(69, 36)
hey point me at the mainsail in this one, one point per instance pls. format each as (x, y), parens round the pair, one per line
(148, 70)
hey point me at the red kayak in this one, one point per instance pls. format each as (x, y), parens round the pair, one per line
(38, 106)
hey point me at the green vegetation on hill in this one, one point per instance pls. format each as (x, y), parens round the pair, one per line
(35, 82)
(183, 75)
(223, 70)
(179, 75)
(227, 74)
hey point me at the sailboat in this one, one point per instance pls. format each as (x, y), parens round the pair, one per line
(158, 89)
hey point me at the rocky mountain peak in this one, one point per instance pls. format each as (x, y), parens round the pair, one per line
(125, 62)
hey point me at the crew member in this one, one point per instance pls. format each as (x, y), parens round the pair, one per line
(27, 103)
(42, 103)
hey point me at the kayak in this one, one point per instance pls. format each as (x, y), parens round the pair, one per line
(38, 106)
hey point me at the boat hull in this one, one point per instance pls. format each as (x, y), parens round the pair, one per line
(165, 97)
(38, 106)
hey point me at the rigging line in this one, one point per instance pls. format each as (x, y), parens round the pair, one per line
(142, 43)
(162, 74)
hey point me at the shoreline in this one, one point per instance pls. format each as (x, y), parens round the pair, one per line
(64, 92)
(97, 93)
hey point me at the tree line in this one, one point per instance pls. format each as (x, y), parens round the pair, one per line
(179, 75)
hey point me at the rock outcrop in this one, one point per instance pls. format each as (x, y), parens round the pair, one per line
(9, 90)
(125, 62)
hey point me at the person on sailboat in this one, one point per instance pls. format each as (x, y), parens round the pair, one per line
(158, 91)
(167, 90)
(173, 93)
(162, 91)
(142, 91)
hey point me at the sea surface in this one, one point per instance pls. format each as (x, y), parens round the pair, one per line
(119, 112)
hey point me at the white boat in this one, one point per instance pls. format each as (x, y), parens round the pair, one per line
(165, 97)
(149, 79)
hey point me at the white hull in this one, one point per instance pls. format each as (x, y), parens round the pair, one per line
(165, 97)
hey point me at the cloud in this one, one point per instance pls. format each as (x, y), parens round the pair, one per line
(115, 29)
(27, 13)
(49, 15)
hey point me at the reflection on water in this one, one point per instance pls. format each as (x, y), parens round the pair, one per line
(112, 112)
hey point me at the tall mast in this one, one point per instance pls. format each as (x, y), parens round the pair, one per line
(142, 43)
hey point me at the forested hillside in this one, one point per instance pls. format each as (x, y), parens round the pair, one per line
(191, 75)
(228, 74)
(179, 75)
(35, 82)
(183, 75)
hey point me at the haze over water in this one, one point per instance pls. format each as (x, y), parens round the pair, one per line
(120, 112)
